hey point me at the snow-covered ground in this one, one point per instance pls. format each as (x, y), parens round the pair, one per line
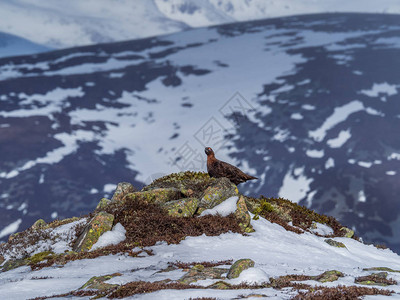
(275, 251)
(70, 23)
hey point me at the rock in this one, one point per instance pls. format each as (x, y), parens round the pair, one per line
(1, 259)
(97, 283)
(239, 266)
(39, 224)
(220, 285)
(123, 188)
(182, 208)
(100, 223)
(12, 264)
(335, 243)
(347, 232)
(218, 192)
(243, 215)
(157, 196)
(328, 276)
(190, 184)
(386, 269)
(375, 279)
(199, 272)
(103, 204)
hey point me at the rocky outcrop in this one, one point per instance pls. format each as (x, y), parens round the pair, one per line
(239, 266)
(100, 223)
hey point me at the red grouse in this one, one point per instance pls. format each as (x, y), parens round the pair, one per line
(217, 168)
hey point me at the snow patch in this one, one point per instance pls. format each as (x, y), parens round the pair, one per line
(380, 88)
(224, 209)
(342, 138)
(11, 228)
(113, 237)
(295, 185)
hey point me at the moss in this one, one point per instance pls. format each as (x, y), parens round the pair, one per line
(40, 257)
(182, 208)
(98, 283)
(191, 184)
(283, 211)
(375, 279)
(334, 243)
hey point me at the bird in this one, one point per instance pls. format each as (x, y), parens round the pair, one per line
(217, 168)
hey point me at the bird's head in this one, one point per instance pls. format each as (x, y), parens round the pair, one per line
(209, 151)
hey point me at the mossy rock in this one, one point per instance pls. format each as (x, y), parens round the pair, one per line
(103, 204)
(239, 266)
(328, 276)
(220, 285)
(98, 283)
(100, 223)
(57, 223)
(334, 243)
(39, 224)
(199, 272)
(375, 279)
(347, 232)
(385, 269)
(13, 264)
(38, 257)
(1, 259)
(190, 184)
(218, 192)
(242, 214)
(123, 188)
(156, 196)
(182, 208)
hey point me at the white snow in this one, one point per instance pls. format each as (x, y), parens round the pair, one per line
(224, 209)
(75, 22)
(330, 163)
(295, 185)
(322, 229)
(391, 173)
(381, 88)
(112, 237)
(109, 188)
(339, 115)
(11, 228)
(361, 196)
(287, 253)
(343, 137)
(315, 153)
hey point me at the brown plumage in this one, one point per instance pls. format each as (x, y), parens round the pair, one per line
(217, 168)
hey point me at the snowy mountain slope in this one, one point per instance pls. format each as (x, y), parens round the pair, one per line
(308, 104)
(74, 23)
(275, 251)
(13, 46)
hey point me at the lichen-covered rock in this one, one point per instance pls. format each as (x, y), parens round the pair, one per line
(103, 204)
(1, 259)
(123, 188)
(39, 224)
(199, 272)
(220, 285)
(239, 266)
(156, 196)
(98, 283)
(218, 192)
(12, 264)
(328, 276)
(190, 184)
(185, 207)
(386, 269)
(347, 232)
(100, 223)
(335, 243)
(243, 215)
(375, 279)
